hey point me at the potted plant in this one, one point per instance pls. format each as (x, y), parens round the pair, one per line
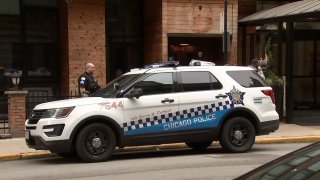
(273, 79)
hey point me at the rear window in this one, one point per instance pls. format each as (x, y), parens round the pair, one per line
(247, 78)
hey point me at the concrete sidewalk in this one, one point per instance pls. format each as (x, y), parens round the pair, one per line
(16, 148)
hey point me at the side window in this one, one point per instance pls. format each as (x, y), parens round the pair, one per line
(159, 83)
(199, 81)
(247, 78)
(215, 83)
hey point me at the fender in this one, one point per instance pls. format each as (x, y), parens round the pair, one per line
(100, 119)
(240, 111)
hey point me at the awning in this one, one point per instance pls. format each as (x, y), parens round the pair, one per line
(297, 11)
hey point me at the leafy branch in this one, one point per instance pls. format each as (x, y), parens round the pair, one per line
(271, 77)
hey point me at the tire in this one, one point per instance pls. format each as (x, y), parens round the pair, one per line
(95, 143)
(237, 135)
(199, 145)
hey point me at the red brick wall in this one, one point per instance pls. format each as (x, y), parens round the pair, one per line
(64, 53)
(17, 112)
(153, 31)
(85, 40)
(179, 16)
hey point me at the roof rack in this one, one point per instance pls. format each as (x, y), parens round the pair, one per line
(163, 64)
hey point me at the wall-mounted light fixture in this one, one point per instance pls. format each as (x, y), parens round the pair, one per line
(15, 78)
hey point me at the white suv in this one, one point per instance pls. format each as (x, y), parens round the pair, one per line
(191, 104)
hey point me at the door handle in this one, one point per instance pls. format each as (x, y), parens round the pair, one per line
(167, 100)
(221, 96)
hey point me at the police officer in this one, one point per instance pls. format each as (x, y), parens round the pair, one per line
(86, 82)
(255, 65)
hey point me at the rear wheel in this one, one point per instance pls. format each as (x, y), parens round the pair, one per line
(95, 143)
(199, 145)
(237, 135)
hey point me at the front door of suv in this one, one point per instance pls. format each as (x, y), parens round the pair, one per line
(147, 115)
(202, 100)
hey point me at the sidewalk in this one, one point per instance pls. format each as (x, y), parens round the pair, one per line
(16, 148)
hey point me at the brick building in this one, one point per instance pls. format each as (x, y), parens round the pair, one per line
(51, 40)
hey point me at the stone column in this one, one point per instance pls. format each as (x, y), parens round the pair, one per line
(16, 112)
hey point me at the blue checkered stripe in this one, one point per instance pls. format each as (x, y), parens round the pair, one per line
(184, 114)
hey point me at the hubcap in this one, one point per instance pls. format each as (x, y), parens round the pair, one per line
(96, 142)
(238, 135)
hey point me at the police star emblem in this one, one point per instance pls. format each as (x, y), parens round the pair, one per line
(236, 96)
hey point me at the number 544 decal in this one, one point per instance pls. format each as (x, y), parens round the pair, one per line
(111, 105)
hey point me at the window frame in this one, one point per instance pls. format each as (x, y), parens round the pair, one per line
(259, 78)
(174, 82)
(211, 76)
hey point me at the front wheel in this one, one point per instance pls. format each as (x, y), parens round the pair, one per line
(95, 143)
(237, 135)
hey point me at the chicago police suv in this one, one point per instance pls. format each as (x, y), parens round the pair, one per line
(166, 104)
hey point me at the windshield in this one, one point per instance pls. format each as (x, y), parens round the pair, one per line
(300, 164)
(117, 85)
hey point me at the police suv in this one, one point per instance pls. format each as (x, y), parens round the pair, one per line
(163, 103)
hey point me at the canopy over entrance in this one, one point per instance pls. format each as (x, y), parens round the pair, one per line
(290, 35)
(306, 10)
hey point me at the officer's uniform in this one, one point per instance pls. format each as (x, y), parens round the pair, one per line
(88, 82)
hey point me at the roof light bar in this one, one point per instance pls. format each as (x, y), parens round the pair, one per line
(195, 62)
(163, 64)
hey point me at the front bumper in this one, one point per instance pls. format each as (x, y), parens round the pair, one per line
(268, 126)
(47, 137)
(57, 146)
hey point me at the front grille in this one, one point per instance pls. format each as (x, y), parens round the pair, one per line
(36, 115)
(31, 127)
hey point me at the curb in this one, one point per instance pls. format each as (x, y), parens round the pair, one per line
(26, 155)
(291, 139)
(44, 154)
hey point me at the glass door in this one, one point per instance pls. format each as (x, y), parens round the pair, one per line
(306, 74)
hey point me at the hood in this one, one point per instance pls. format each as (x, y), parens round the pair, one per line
(71, 102)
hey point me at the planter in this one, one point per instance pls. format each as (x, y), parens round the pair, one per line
(278, 93)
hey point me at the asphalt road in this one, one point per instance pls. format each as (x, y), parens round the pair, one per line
(154, 164)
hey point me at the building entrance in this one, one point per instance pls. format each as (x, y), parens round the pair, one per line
(306, 82)
(184, 49)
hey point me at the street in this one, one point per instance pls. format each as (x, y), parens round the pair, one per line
(154, 164)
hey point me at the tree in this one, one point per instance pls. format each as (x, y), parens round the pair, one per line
(271, 77)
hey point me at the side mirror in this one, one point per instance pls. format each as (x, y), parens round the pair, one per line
(116, 86)
(134, 93)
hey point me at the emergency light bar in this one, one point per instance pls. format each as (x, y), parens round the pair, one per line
(195, 62)
(163, 64)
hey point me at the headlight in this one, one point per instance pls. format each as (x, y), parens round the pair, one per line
(64, 112)
(51, 113)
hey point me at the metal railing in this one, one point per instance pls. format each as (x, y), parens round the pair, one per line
(35, 97)
(4, 125)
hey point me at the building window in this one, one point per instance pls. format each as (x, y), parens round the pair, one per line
(29, 40)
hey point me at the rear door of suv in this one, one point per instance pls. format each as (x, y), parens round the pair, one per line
(203, 101)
